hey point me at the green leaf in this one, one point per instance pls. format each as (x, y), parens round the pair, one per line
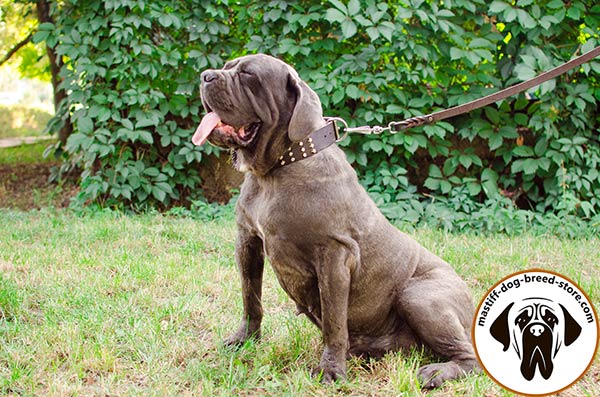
(466, 161)
(574, 12)
(456, 53)
(434, 171)
(338, 95)
(525, 20)
(78, 140)
(373, 33)
(376, 145)
(159, 194)
(165, 20)
(40, 36)
(489, 182)
(353, 91)
(450, 166)
(387, 29)
(492, 114)
(127, 124)
(85, 125)
(474, 188)
(348, 28)
(498, 6)
(445, 186)
(524, 72)
(432, 183)
(339, 5)
(151, 171)
(523, 151)
(541, 146)
(495, 141)
(145, 136)
(394, 109)
(43, 31)
(530, 166)
(510, 14)
(353, 7)
(517, 166)
(555, 4)
(146, 120)
(334, 15)
(489, 174)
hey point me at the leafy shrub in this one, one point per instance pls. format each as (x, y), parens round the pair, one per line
(133, 72)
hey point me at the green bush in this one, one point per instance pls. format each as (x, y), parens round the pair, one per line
(133, 71)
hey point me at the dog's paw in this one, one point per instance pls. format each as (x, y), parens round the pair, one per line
(432, 376)
(330, 370)
(241, 336)
(329, 373)
(332, 366)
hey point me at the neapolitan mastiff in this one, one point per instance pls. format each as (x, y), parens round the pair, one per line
(368, 287)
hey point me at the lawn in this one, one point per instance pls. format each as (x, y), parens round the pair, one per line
(24, 176)
(22, 121)
(108, 304)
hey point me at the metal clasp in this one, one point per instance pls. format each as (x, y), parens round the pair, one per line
(365, 129)
(344, 128)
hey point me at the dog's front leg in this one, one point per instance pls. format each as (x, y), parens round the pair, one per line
(250, 260)
(334, 285)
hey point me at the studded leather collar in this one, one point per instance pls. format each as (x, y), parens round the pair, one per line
(313, 144)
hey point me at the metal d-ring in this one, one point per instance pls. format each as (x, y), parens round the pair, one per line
(344, 128)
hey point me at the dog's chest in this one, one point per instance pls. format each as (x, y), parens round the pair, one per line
(287, 245)
(274, 217)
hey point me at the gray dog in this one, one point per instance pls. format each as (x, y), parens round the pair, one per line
(368, 287)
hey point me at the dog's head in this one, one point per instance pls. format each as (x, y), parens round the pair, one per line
(536, 328)
(256, 105)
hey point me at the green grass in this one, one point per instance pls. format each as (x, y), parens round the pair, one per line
(108, 304)
(26, 154)
(21, 121)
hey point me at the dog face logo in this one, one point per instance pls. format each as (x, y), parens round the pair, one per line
(535, 332)
(537, 328)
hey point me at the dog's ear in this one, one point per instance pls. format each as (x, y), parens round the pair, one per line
(307, 115)
(572, 327)
(499, 328)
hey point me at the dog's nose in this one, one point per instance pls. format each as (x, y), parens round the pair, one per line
(536, 330)
(208, 76)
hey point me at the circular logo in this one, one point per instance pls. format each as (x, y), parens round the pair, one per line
(535, 332)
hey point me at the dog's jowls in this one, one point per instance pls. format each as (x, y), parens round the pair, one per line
(368, 287)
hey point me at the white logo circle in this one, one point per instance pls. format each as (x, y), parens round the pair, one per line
(535, 332)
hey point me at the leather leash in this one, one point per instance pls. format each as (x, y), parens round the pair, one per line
(330, 133)
(503, 94)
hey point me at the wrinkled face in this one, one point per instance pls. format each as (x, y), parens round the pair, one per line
(536, 321)
(256, 105)
(536, 328)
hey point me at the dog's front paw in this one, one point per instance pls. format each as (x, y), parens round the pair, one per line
(433, 375)
(331, 368)
(329, 373)
(242, 335)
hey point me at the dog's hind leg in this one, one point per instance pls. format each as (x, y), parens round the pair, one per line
(439, 310)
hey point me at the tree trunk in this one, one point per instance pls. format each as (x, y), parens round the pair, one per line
(43, 13)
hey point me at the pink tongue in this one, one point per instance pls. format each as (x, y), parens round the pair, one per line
(208, 123)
